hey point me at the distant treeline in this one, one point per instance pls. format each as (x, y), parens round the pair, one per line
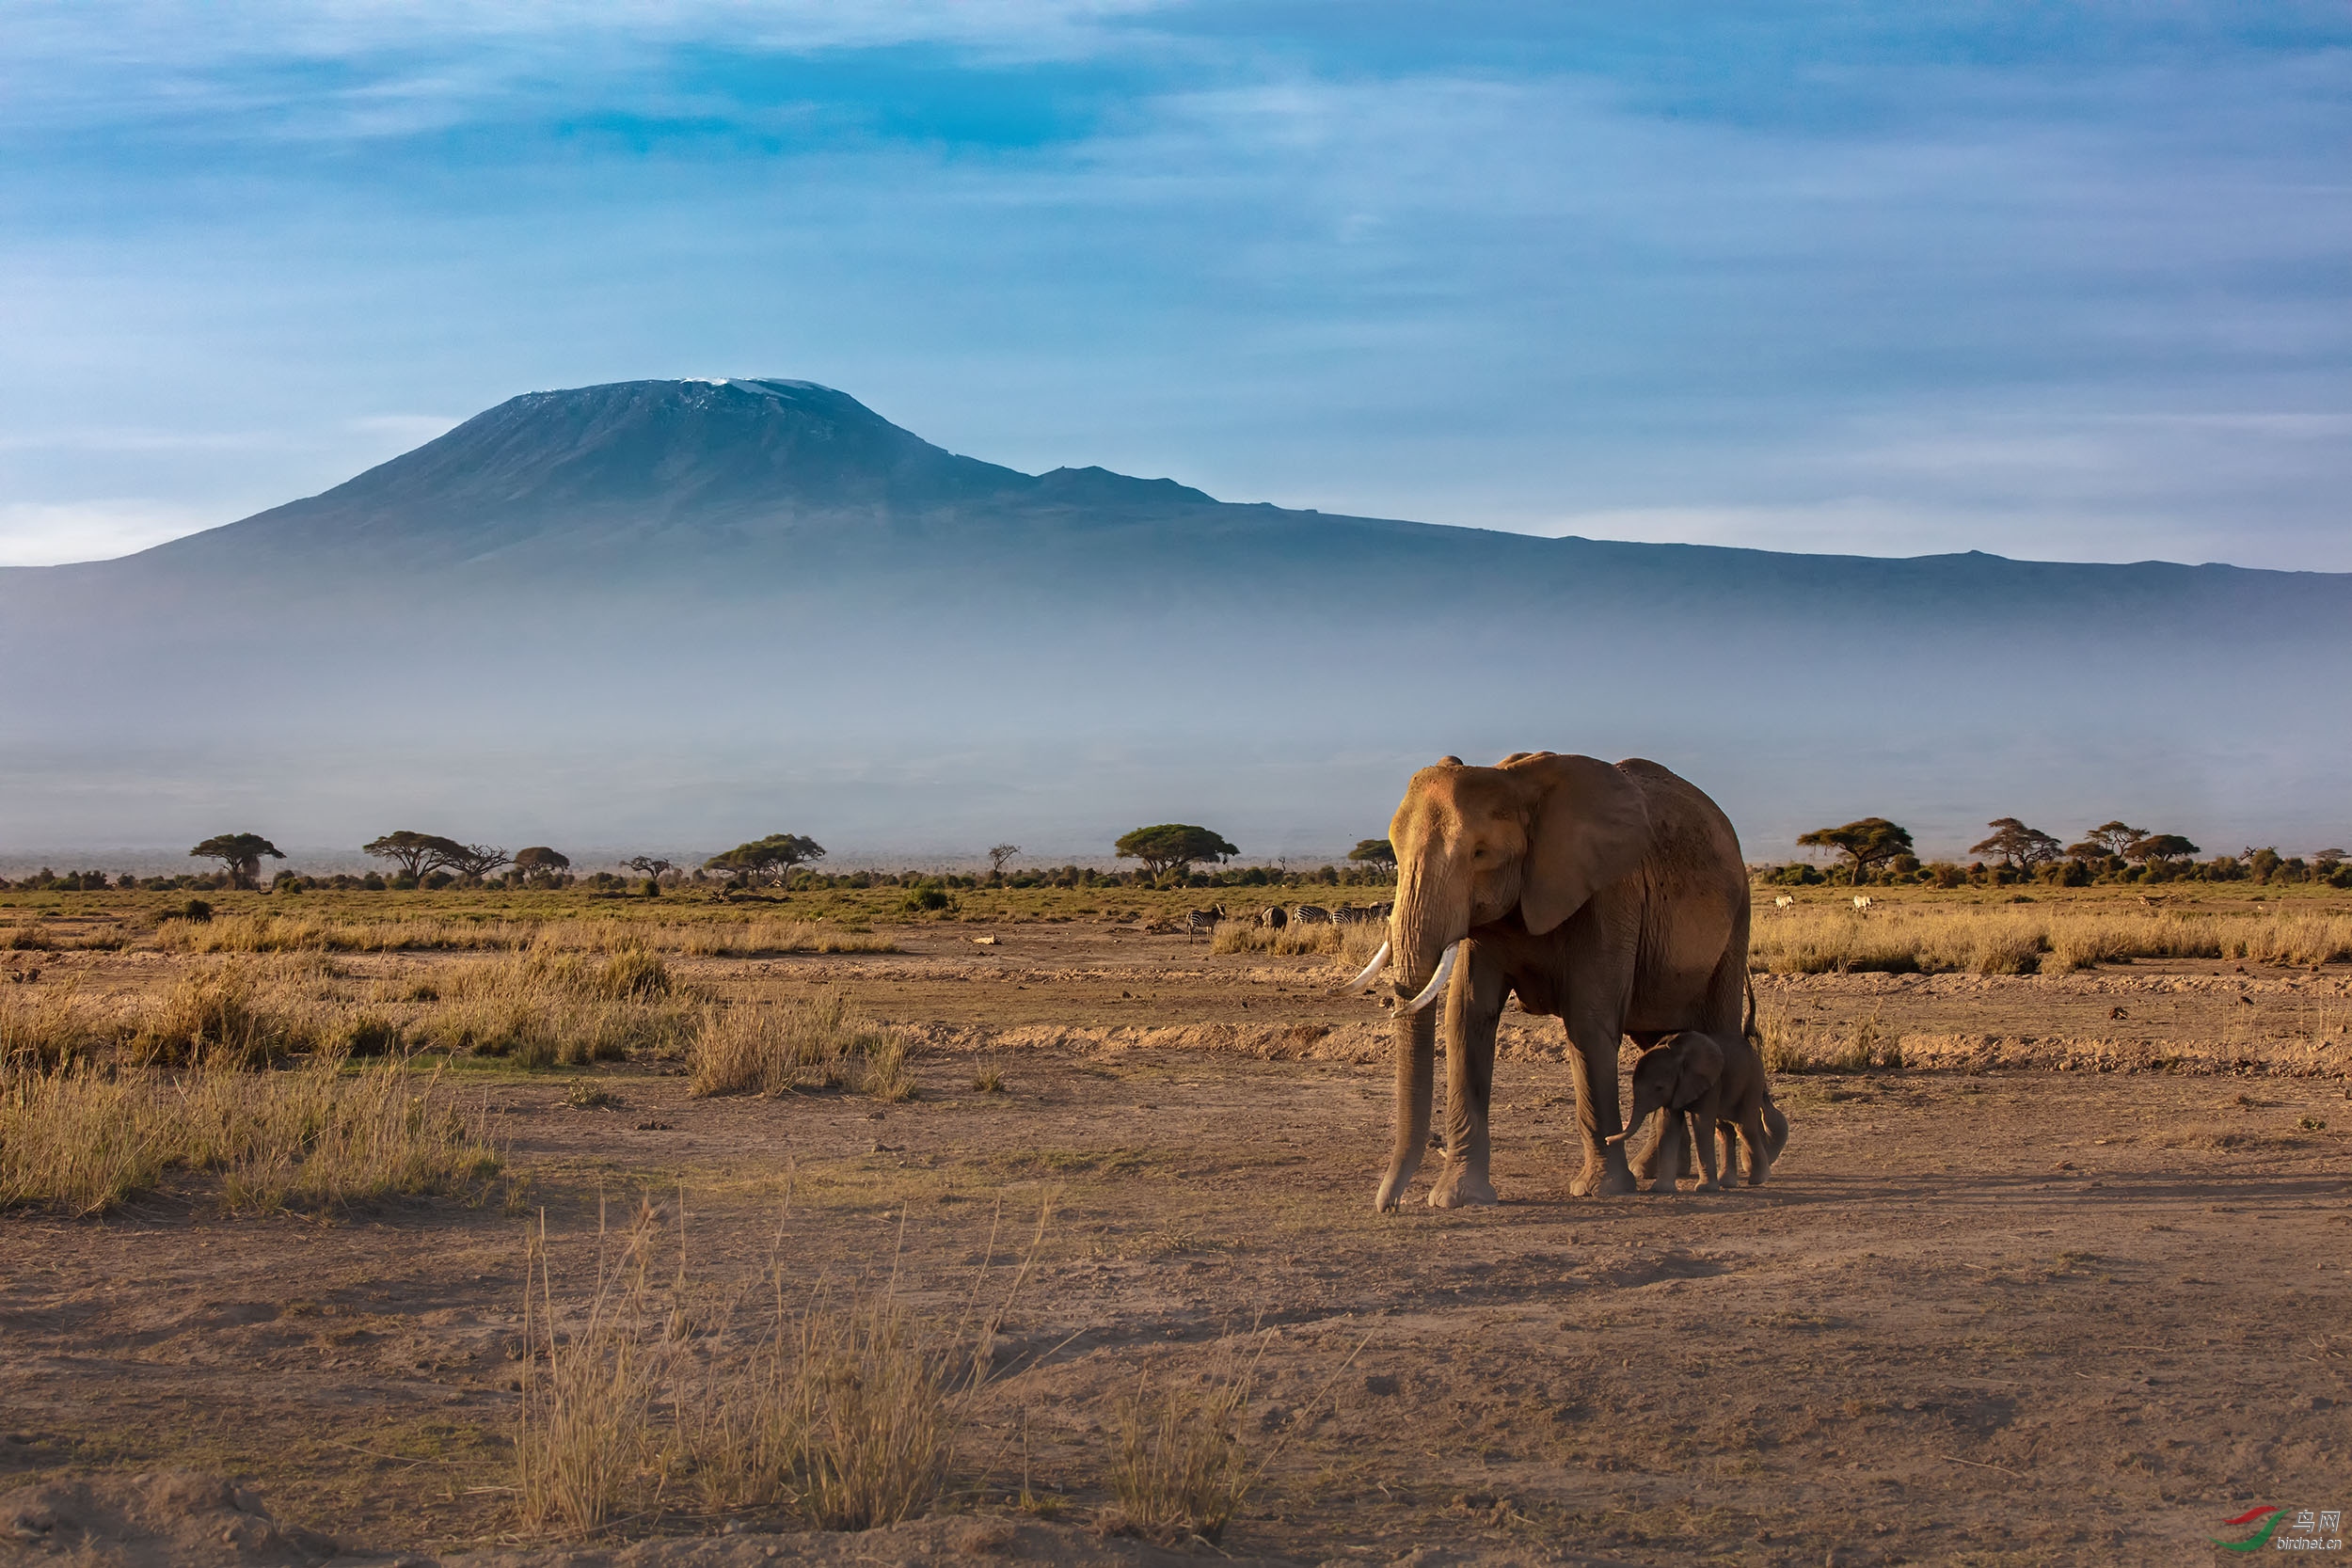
(1879, 852)
(800, 882)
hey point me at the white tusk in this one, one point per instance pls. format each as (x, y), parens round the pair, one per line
(1362, 983)
(1437, 982)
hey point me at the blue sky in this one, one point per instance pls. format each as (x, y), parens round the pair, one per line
(2059, 281)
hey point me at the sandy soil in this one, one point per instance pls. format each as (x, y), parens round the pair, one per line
(2014, 1316)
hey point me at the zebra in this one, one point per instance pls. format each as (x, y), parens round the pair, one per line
(1312, 914)
(1202, 920)
(1361, 915)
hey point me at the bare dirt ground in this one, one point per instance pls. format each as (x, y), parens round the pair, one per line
(2007, 1316)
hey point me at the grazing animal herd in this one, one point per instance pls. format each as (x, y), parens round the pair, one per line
(1274, 917)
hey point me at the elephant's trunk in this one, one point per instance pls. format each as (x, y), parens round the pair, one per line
(1416, 1037)
(1423, 932)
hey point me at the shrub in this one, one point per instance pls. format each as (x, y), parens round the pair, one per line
(632, 974)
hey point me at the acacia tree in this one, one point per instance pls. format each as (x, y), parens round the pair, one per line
(540, 861)
(2158, 848)
(478, 860)
(2016, 843)
(1379, 853)
(2107, 838)
(770, 859)
(998, 854)
(415, 853)
(647, 865)
(1865, 842)
(1172, 846)
(240, 855)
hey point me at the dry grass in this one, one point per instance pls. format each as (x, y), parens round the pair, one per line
(543, 1007)
(538, 1007)
(279, 933)
(1181, 1471)
(873, 1433)
(768, 938)
(847, 1411)
(794, 1046)
(1354, 945)
(1807, 1047)
(1813, 939)
(315, 1137)
(237, 1013)
(1241, 936)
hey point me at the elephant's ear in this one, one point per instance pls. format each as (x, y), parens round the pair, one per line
(1700, 1068)
(1589, 828)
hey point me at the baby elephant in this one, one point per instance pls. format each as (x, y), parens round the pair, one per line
(1715, 1080)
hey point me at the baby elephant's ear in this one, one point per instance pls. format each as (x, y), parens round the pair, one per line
(1698, 1068)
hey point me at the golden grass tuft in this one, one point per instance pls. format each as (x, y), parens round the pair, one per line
(278, 933)
(1242, 936)
(319, 1137)
(544, 1007)
(873, 1433)
(780, 1049)
(1900, 938)
(1181, 1472)
(846, 1409)
(760, 939)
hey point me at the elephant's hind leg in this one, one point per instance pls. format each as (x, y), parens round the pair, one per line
(1760, 1150)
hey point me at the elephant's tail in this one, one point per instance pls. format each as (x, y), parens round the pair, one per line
(1748, 1030)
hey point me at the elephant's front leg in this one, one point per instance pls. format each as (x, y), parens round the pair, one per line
(1416, 1042)
(1594, 1034)
(1474, 1007)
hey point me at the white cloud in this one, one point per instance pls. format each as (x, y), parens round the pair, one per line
(405, 430)
(35, 533)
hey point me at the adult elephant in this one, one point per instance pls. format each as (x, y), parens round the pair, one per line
(1613, 897)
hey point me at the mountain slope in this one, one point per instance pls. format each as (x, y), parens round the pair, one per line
(665, 602)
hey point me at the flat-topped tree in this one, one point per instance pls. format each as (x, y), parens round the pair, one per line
(1172, 846)
(649, 867)
(2107, 838)
(415, 853)
(998, 854)
(478, 860)
(2016, 843)
(540, 861)
(1867, 843)
(770, 859)
(2158, 848)
(240, 855)
(1377, 854)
